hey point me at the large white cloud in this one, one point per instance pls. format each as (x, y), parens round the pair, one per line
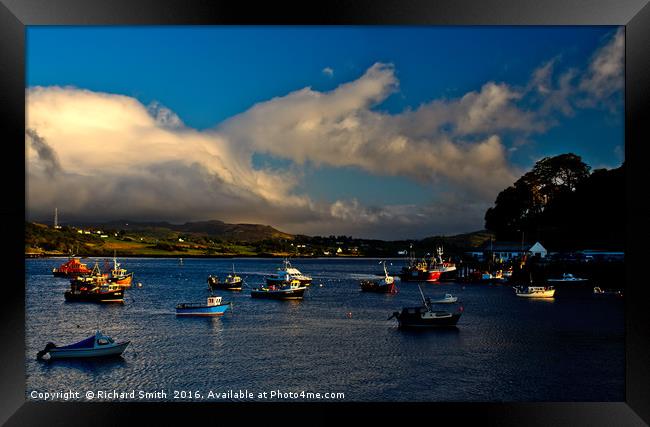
(117, 159)
(339, 128)
(104, 156)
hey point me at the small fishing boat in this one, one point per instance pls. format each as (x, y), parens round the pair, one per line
(618, 293)
(427, 270)
(285, 291)
(287, 270)
(214, 307)
(71, 268)
(425, 317)
(496, 276)
(568, 277)
(570, 286)
(385, 285)
(448, 299)
(534, 291)
(119, 275)
(98, 345)
(231, 283)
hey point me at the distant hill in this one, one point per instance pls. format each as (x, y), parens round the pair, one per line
(217, 238)
(213, 229)
(460, 241)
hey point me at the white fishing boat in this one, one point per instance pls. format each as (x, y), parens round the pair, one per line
(534, 291)
(286, 273)
(608, 292)
(568, 277)
(448, 299)
(98, 345)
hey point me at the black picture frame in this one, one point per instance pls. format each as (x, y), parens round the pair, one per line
(16, 14)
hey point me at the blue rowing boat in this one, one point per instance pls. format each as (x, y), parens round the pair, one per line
(214, 307)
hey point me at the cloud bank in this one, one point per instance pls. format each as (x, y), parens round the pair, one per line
(105, 156)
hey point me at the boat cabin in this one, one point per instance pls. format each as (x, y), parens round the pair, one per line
(212, 301)
(104, 340)
(538, 288)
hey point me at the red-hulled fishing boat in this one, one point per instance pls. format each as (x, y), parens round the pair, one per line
(426, 270)
(385, 285)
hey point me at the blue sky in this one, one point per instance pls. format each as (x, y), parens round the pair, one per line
(206, 76)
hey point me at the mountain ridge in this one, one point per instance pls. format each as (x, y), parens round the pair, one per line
(211, 228)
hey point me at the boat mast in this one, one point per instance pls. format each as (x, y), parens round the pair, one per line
(424, 300)
(385, 271)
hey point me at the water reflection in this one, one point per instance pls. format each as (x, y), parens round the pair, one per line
(337, 338)
(99, 366)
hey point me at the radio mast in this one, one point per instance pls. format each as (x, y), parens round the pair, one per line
(56, 218)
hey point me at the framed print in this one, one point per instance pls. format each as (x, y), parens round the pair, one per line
(376, 209)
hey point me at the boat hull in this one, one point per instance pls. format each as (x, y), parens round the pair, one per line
(124, 281)
(448, 275)
(225, 287)
(545, 294)
(70, 274)
(445, 301)
(202, 311)
(214, 284)
(282, 294)
(279, 281)
(370, 286)
(97, 297)
(85, 353)
(420, 276)
(417, 318)
(611, 293)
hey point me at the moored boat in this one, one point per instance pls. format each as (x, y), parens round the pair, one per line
(232, 282)
(496, 276)
(285, 291)
(534, 291)
(98, 345)
(426, 270)
(618, 293)
(448, 299)
(71, 268)
(569, 285)
(385, 285)
(567, 277)
(425, 317)
(119, 275)
(287, 270)
(213, 307)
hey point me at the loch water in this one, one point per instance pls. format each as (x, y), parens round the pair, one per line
(337, 340)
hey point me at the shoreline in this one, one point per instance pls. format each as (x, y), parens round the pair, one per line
(264, 256)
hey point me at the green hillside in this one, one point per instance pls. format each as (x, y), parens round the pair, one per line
(216, 238)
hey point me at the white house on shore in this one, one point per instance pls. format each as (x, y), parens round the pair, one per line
(508, 250)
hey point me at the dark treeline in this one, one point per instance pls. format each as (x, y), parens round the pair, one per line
(564, 205)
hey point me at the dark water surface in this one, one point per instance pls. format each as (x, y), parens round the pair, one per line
(504, 348)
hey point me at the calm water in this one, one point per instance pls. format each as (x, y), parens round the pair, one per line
(504, 348)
